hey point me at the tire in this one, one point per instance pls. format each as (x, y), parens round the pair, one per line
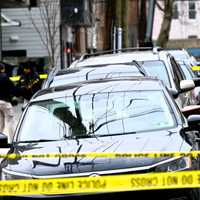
(194, 194)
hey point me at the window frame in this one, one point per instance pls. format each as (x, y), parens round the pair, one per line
(192, 11)
(175, 11)
(177, 71)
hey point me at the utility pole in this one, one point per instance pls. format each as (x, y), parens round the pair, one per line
(119, 24)
(150, 18)
(125, 23)
(69, 45)
(132, 10)
(62, 64)
(109, 17)
(142, 22)
(121, 15)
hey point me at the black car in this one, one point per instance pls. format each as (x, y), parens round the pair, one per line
(111, 115)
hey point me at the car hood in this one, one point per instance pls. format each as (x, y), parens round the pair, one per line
(144, 142)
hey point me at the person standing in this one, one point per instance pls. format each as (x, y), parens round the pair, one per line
(7, 98)
(29, 82)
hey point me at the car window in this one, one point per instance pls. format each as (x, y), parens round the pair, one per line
(158, 69)
(187, 71)
(178, 74)
(177, 69)
(97, 114)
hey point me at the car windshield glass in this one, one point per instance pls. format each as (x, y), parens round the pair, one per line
(98, 72)
(187, 71)
(158, 69)
(179, 55)
(97, 114)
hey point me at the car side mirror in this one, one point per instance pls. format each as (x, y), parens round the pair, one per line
(186, 85)
(4, 141)
(194, 122)
(173, 92)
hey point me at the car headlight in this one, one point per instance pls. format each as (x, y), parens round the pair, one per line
(179, 164)
(10, 175)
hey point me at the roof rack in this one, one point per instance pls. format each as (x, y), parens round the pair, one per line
(157, 49)
(174, 48)
(85, 56)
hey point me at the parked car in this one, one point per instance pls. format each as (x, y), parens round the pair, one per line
(181, 55)
(109, 115)
(190, 75)
(186, 63)
(71, 75)
(155, 61)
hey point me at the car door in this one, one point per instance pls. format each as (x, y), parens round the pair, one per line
(185, 98)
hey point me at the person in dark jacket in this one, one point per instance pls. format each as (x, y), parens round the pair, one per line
(29, 82)
(7, 88)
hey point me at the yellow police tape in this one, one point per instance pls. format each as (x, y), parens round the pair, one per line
(16, 78)
(195, 68)
(114, 183)
(194, 154)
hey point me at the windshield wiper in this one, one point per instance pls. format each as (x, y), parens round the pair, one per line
(41, 140)
(96, 136)
(79, 136)
(115, 134)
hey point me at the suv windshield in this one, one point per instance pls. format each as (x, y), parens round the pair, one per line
(99, 72)
(158, 69)
(97, 114)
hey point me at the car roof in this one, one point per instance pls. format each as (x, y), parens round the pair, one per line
(100, 86)
(83, 69)
(76, 74)
(119, 57)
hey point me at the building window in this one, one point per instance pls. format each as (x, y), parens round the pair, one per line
(192, 10)
(33, 3)
(192, 37)
(175, 11)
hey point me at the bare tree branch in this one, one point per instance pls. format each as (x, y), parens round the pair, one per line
(166, 24)
(49, 13)
(37, 29)
(159, 6)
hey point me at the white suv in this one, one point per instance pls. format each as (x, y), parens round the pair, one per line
(155, 61)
